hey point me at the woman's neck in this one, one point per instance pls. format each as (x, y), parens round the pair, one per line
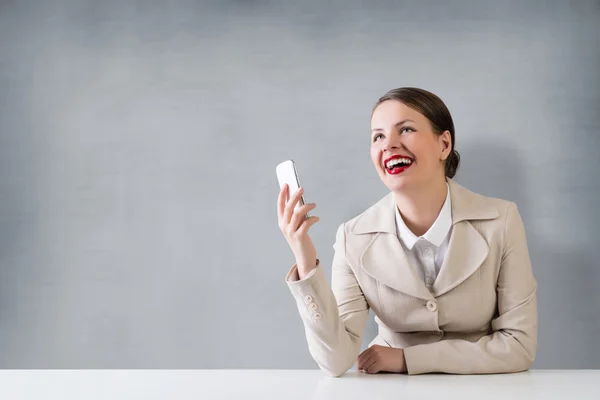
(420, 208)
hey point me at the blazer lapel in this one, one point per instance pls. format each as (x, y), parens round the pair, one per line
(466, 252)
(467, 249)
(384, 259)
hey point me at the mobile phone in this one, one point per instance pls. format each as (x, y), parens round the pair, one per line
(287, 173)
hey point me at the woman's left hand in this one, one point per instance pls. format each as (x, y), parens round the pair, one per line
(381, 358)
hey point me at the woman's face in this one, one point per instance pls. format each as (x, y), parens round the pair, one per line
(400, 132)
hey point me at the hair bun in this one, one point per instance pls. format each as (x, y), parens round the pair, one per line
(452, 164)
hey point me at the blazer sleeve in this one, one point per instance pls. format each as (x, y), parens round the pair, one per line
(334, 317)
(512, 345)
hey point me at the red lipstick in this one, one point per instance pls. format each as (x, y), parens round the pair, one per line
(399, 168)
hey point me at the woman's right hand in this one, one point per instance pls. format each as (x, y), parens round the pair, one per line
(295, 227)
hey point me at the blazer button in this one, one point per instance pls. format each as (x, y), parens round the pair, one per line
(431, 305)
(308, 298)
(317, 315)
(313, 306)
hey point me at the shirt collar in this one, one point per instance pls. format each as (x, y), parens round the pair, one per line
(438, 231)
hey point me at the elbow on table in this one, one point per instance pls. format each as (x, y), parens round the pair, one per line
(334, 373)
(333, 370)
(333, 361)
(522, 360)
(522, 350)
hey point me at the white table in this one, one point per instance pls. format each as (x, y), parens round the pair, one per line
(292, 384)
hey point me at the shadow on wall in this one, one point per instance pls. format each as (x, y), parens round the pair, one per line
(567, 295)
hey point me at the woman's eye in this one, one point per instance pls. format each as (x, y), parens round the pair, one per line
(401, 131)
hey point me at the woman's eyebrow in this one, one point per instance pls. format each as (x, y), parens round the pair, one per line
(396, 124)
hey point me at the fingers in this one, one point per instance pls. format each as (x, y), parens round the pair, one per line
(364, 363)
(366, 354)
(291, 219)
(281, 202)
(305, 226)
(373, 366)
(368, 362)
(289, 208)
(299, 214)
(362, 357)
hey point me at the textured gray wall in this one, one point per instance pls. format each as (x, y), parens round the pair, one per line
(138, 144)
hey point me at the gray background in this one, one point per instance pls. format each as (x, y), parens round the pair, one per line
(138, 144)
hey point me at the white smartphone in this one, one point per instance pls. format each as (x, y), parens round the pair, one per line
(287, 173)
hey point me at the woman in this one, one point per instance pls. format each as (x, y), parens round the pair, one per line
(445, 270)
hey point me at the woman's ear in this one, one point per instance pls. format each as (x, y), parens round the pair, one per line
(446, 144)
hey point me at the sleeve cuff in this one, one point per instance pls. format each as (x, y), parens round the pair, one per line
(292, 275)
(418, 359)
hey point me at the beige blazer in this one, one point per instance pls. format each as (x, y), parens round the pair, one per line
(479, 317)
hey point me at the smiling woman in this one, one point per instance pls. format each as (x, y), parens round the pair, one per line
(412, 148)
(446, 270)
(425, 107)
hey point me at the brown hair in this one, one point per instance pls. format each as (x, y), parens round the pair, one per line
(434, 109)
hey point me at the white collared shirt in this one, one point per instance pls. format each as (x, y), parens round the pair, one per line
(426, 253)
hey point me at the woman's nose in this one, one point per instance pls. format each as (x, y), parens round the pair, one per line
(392, 143)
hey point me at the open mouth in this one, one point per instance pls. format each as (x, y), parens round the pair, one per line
(397, 165)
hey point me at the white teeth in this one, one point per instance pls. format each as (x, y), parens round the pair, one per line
(396, 161)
